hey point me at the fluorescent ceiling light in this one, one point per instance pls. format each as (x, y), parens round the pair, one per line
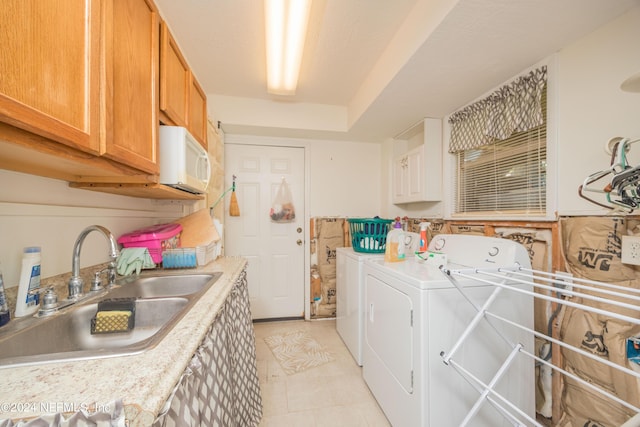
(286, 28)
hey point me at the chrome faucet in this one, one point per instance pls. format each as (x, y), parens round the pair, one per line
(75, 282)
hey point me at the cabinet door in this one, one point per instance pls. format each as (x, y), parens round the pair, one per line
(400, 176)
(415, 175)
(49, 72)
(132, 49)
(198, 112)
(174, 79)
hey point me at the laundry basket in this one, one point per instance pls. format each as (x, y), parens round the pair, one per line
(369, 235)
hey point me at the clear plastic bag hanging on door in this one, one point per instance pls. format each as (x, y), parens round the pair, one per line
(282, 209)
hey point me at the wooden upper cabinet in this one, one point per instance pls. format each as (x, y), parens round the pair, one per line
(182, 100)
(79, 93)
(49, 72)
(198, 112)
(131, 73)
(175, 79)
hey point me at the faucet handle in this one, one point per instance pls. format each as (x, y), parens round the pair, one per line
(96, 283)
(49, 302)
(38, 291)
(50, 299)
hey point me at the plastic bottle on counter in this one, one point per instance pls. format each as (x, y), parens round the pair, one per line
(5, 316)
(28, 298)
(395, 246)
(424, 243)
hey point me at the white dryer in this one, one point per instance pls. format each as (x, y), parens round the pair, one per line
(414, 313)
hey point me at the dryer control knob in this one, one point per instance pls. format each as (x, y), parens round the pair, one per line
(494, 251)
(438, 243)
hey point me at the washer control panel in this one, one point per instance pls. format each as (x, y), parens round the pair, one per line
(478, 251)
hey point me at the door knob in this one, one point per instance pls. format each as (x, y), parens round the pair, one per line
(299, 242)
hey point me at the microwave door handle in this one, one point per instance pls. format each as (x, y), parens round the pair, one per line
(205, 159)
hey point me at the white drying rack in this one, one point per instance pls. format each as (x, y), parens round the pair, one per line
(565, 287)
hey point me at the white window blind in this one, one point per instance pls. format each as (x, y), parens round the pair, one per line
(506, 177)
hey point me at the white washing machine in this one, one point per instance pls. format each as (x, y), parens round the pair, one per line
(414, 313)
(350, 298)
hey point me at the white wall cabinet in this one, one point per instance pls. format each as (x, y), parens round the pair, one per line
(417, 173)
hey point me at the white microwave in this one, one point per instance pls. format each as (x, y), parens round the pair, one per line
(184, 163)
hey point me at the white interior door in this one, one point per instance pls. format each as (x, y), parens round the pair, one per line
(275, 250)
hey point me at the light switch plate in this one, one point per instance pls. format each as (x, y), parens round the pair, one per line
(631, 250)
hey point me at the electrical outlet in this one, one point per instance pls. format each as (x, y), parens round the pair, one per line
(564, 281)
(631, 250)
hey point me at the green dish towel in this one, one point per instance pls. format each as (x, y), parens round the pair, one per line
(133, 260)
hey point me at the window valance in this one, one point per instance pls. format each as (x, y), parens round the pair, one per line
(515, 107)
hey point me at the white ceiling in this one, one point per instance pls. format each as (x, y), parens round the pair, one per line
(378, 66)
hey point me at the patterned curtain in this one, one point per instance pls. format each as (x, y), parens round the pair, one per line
(515, 107)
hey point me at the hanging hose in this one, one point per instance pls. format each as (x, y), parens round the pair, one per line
(221, 197)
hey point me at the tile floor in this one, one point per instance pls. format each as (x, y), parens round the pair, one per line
(333, 394)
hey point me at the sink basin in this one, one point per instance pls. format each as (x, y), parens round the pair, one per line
(68, 336)
(161, 301)
(166, 285)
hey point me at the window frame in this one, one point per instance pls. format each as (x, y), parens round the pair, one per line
(450, 160)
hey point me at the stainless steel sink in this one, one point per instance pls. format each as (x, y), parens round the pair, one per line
(161, 301)
(167, 285)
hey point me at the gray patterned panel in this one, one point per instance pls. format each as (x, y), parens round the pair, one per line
(220, 387)
(242, 344)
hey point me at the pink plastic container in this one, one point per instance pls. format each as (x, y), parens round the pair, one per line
(156, 238)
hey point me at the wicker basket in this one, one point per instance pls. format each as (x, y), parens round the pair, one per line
(369, 235)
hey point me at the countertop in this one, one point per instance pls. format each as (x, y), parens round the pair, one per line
(143, 381)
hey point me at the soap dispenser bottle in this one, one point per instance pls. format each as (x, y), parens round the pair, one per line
(28, 289)
(395, 246)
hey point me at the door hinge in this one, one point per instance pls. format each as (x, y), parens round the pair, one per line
(412, 379)
(411, 319)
